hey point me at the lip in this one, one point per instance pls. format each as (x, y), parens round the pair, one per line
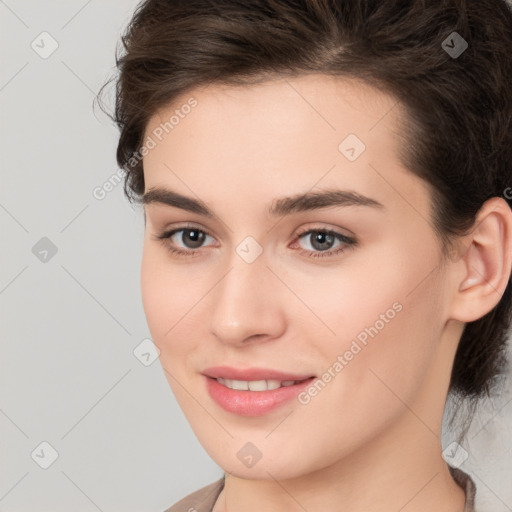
(252, 403)
(227, 372)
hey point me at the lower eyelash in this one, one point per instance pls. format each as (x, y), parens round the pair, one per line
(311, 254)
(323, 254)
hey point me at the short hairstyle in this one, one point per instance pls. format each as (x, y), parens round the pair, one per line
(458, 105)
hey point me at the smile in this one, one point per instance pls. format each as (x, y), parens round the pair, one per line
(253, 397)
(255, 385)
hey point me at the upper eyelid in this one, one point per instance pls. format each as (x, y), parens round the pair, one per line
(167, 233)
(300, 231)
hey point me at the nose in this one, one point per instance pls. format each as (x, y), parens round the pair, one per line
(247, 304)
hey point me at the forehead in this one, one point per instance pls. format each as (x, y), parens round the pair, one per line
(282, 135)
(318, 96)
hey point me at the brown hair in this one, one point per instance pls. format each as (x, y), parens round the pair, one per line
(459, 107)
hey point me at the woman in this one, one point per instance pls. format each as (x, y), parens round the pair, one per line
(328, 242)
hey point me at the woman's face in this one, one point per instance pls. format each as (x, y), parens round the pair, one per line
(362, 311)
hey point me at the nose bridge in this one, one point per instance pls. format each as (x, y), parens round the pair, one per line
(244, 302)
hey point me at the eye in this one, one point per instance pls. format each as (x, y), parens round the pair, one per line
(192, 239)
(322, 242)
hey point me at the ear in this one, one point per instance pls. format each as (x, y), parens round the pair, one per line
(483, 271)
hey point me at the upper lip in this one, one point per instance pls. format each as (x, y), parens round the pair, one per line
(248, 374)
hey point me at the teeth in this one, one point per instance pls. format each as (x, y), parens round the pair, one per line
(255, 385)
(240, 385)
(273, 384)
(258, 385)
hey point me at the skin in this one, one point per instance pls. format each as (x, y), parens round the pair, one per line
(371, 439)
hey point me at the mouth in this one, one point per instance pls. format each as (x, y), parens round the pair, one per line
(254, 396)
(253, 374)
(256, 385)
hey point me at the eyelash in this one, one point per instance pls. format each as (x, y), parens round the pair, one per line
(349, 242)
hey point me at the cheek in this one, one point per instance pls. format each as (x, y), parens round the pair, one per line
(154, 299)
(386, 321)
(164, 296)
(171, 297)
(385, 341)
(356, 301)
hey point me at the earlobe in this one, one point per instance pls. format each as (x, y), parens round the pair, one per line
(487, 262)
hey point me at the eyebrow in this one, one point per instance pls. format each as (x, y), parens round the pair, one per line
(279, 208)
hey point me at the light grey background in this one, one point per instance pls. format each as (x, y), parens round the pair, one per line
(72, 320)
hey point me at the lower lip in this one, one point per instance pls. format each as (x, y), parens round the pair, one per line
(253, 403)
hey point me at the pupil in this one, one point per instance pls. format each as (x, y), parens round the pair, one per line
(322, 238)
(196, 236)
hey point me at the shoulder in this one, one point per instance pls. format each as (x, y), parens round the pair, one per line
(467, 483)
(201, 500)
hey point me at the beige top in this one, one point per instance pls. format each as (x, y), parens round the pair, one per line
(204, 499)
